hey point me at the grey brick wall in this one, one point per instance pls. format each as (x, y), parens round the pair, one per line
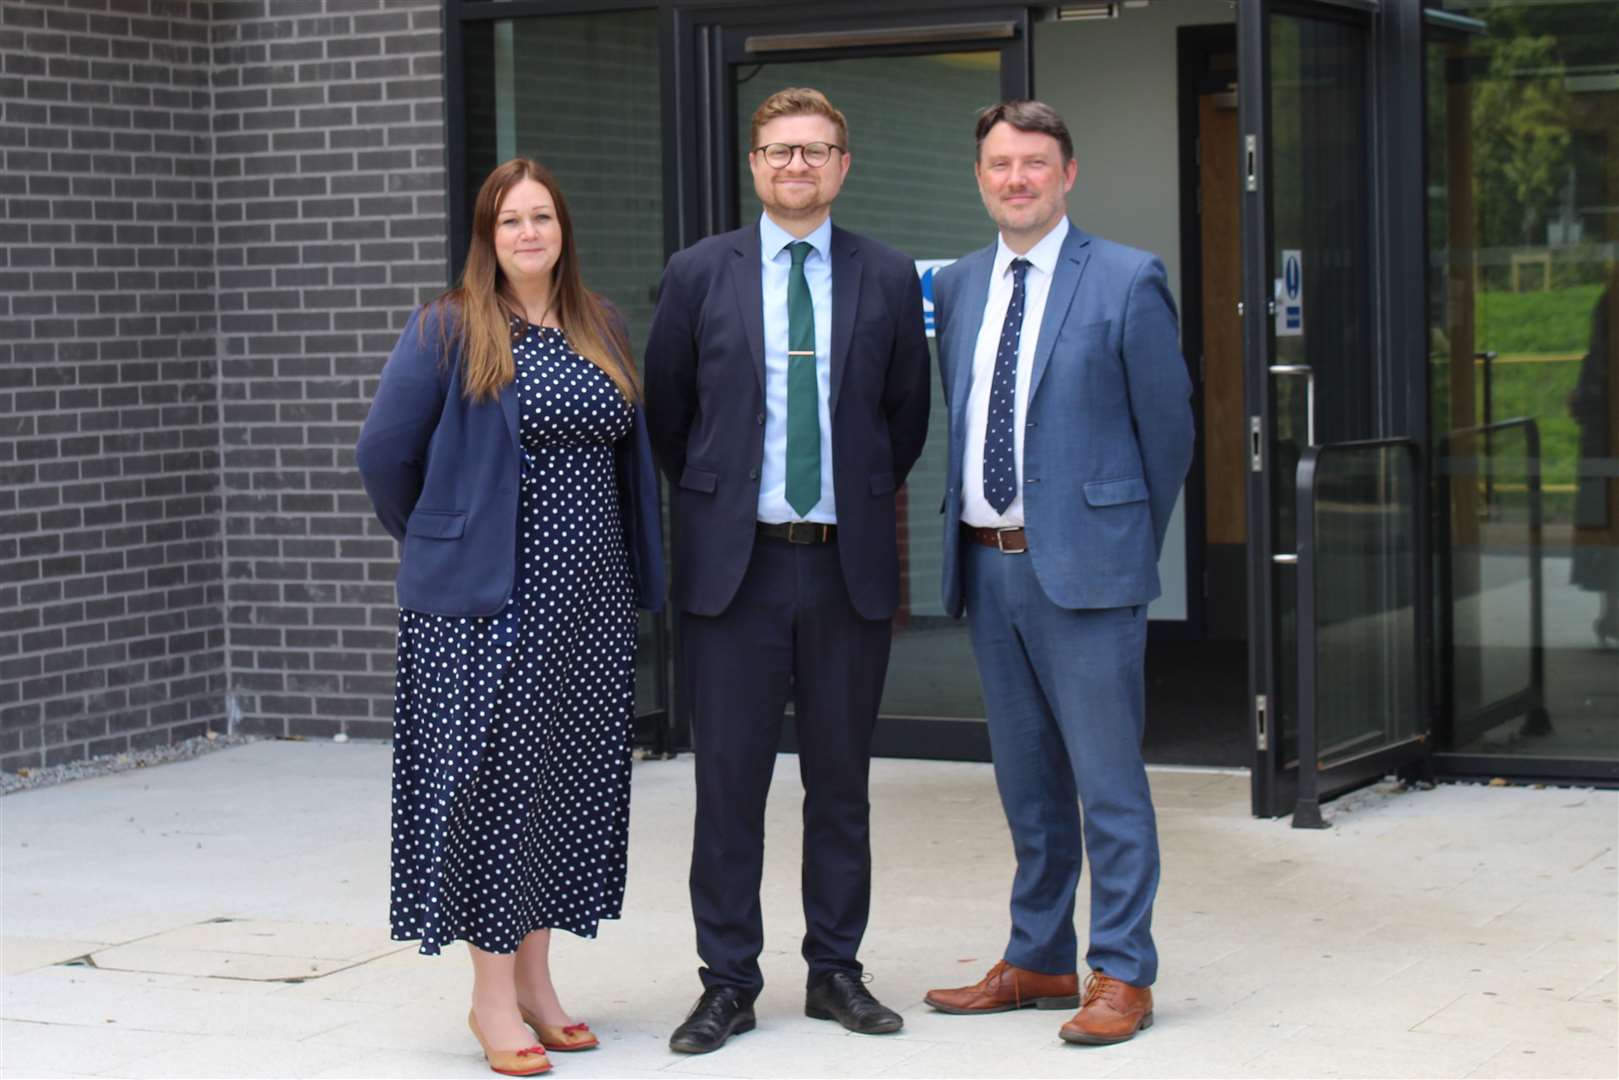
(217, 215)
(110, 572)
(331, 215)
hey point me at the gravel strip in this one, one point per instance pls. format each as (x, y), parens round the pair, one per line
(108, 764)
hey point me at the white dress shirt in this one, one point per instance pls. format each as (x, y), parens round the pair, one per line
(776, 266)
(975, 509)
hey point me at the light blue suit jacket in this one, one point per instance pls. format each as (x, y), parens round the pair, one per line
(1108, 435)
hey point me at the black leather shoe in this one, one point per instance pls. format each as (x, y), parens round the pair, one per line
(719, 1013)
(841, 996)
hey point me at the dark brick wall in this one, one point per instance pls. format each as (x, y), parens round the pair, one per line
(216, 217)
(331, 215)
(110, 573)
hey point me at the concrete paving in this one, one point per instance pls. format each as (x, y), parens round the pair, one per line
(226, 917)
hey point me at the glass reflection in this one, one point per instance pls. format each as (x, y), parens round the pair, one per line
(1523, 223)
(1365, 600)
(580, 94)
(911, 186)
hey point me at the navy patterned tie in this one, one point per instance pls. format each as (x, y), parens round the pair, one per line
(1000, 462)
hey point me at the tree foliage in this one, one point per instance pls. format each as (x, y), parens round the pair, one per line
(1520, 128)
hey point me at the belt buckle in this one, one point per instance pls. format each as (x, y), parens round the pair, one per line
(1000, 541)
(810, 537)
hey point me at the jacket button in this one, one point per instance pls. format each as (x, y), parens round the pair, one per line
(760, 419)
(753, 474)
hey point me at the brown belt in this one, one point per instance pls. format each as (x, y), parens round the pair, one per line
(800, 532)
(1006, 541)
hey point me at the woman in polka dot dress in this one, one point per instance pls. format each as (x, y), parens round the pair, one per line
(506, 451)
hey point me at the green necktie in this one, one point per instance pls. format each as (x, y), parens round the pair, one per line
(803, 396)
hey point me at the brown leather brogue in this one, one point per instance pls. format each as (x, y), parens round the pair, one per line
(1112, 1012)
(1006, 988)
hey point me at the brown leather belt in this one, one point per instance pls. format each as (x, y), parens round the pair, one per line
(1006, 541)
(800, 532)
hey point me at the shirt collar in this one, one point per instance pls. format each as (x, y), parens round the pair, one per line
(1043, 256)
(772, 238)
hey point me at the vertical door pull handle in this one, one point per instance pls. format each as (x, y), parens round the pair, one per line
(1308, 374)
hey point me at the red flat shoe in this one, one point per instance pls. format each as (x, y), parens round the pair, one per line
(563, 1040)
(530, 1061)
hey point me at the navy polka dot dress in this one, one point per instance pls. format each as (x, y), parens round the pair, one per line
(511, 783)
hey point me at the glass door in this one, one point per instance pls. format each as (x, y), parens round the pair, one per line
(1333, 508)
(910, 89)
(605, 149)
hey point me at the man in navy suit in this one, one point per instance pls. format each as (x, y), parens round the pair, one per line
(787, 399)
(1070, 436)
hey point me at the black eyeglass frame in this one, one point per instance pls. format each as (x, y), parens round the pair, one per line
(799, 150)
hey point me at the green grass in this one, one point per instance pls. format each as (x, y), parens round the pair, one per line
(1548, 321)
(1541, 391)
(1553, 321)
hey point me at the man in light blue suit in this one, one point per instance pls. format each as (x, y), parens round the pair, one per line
(1070, 437)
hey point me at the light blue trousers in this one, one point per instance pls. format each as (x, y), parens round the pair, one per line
(1065, 696)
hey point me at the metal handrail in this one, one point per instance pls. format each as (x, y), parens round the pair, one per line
(1311, 788)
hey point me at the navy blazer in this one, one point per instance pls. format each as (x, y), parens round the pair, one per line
(1107, 437)
(705, 387)
(443, 472)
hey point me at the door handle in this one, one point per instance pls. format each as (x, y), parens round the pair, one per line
(1308, 374)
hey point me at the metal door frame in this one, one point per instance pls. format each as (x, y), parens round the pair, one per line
(700, 124)
(700, 101)
(1394, 92)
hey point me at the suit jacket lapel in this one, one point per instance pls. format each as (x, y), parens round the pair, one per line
(974, 295)
(845, 303)
(748, 277)
(1064, 283)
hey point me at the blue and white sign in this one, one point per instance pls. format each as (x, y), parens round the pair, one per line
(925, 269)
(1290, 295)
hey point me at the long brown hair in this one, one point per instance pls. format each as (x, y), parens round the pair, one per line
(484, 306)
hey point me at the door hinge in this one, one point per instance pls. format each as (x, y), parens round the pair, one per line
(1250, 155)
(1261, 734)
(1256, 444)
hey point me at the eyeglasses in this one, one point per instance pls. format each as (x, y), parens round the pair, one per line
(778, 155)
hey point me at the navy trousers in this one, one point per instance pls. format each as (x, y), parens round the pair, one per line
(790, 630)
(1065, 697)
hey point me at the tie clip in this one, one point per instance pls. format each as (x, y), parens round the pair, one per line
(800, 352)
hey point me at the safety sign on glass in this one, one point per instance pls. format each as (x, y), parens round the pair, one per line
(1290, 295)
(925, 269)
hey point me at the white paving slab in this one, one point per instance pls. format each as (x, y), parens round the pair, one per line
(1463, 931)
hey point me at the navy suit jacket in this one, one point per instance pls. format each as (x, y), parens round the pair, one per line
(705, 376)
(443, 472)
(1108, 434)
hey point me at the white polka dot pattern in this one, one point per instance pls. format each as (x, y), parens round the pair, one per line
(512, 732)
(1000, 457)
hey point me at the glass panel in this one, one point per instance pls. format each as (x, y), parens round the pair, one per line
(1493, 577)
(1365, 579)
(911, 186)
(1321, 259)
(1523, 239)
(580, 94)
